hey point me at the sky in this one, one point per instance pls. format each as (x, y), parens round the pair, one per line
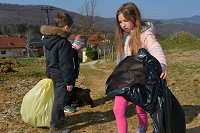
(151, 9)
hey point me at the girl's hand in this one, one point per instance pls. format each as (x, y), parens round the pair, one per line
(163, 75)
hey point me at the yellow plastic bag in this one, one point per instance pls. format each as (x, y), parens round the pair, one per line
(37, 104)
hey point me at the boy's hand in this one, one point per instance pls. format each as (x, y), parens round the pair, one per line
(69, 87)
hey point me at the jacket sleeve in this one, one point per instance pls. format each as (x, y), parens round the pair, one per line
(47, 71)
(47, 63)
(154, 48)
(66, 62)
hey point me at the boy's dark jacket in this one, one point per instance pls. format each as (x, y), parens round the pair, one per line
(137, 78)
(76, 63)
(59, 55)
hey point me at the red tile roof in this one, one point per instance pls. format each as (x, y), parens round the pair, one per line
(72, 37)
(95, 37)
(11, 42)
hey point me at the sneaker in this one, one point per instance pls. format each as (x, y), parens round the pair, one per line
(59, 130)
(141, 129)
(69, 109)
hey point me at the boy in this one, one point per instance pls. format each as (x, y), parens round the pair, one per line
(59, 67)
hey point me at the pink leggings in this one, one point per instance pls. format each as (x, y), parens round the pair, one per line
(119, 110)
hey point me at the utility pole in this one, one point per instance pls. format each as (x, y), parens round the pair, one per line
(47, 9)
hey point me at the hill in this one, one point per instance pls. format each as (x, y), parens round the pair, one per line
(32, 14)
(194, 19)
(182, 41)
(166, 29)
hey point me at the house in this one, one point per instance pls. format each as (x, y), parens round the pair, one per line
(72, 37)
(12, 46)
(95, 39)
(36, 48)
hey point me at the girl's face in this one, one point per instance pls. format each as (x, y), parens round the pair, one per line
(125, 24)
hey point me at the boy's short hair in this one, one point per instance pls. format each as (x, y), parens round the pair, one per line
(63, 19)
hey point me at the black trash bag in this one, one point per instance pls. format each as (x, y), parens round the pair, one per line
(137, 78)
(136, 81)
(174, 116)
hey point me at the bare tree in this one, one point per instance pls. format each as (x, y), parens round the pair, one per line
(87, 14)
(29, 45)
(28, 37)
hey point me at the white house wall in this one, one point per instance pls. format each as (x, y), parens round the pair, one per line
(12, 53)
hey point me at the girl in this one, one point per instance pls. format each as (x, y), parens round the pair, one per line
(131, 35)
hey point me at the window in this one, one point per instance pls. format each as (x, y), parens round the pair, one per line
(3, 52)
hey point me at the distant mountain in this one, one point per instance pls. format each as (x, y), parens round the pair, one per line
(166, 29)
(194, 19)
(16, 14)
(32, 14)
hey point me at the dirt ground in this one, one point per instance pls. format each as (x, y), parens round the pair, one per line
(99, 119)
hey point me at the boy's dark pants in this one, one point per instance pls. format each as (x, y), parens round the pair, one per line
(57, 115)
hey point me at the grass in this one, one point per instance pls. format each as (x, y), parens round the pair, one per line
(24, 68)
(181, 41)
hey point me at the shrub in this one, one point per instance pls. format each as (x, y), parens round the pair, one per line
(91, 53)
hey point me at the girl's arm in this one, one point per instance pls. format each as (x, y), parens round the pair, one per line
(154, 48)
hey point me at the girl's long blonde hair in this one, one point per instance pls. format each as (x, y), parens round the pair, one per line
(131, 12)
